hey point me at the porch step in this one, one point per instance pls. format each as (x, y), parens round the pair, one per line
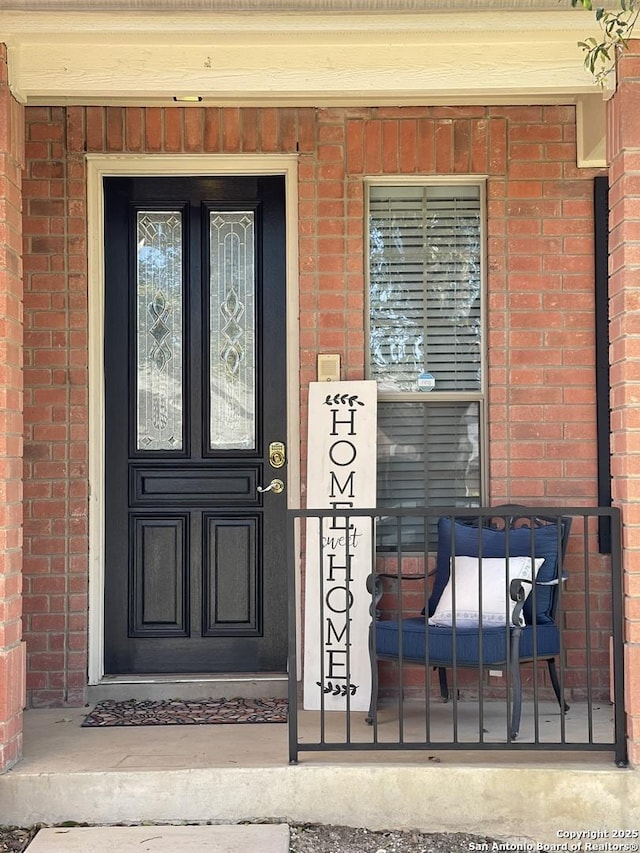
(249, 685)
(230, 774)
(254, 838)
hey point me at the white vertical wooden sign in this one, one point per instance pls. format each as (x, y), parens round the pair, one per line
(341, 473)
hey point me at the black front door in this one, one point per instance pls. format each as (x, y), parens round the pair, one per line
(195, 572)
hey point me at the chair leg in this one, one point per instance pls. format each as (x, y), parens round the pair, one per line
(555, 683)
(373, 701)
(516, 684)
(444, 687)
(516, 709)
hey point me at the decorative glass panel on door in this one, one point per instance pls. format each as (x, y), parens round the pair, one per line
(159, 318)
(232, 381)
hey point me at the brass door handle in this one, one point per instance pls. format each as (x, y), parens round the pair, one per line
(276, 486)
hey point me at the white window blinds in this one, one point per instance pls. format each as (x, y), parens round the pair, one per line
(425, 284)
(428, 454)
(425, 330)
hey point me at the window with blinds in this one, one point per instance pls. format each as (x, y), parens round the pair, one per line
(426, 343)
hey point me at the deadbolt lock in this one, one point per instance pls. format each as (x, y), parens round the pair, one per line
(277, 454)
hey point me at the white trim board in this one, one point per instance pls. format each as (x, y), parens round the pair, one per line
(98, 167)
(495, 56)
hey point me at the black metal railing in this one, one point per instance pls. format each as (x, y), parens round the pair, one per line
(497, 628)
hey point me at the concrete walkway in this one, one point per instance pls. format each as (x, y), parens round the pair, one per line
(261, 838)
(209, 776)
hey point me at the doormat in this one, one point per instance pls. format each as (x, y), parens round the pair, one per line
(187, 712)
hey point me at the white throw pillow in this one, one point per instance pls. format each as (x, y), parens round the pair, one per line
(495, 591)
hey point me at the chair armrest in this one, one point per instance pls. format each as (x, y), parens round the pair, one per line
(403, 577)
(516, 582)
(517, 593)
(374, 577)
(374, 583)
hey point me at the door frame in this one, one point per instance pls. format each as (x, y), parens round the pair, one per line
(163, 165)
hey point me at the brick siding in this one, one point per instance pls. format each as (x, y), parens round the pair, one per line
(56, 487)
(540, 302)
(624, 202)
(11, 648)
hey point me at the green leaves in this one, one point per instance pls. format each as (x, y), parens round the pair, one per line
(596, 55)
(617, 27)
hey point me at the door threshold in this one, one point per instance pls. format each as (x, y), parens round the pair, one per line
(248, 685)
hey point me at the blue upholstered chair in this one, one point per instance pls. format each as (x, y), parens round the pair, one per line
(496, 609)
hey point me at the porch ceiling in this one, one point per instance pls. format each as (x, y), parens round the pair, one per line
(285, 5)
(269, 52)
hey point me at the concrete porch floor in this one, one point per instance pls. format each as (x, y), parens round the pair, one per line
(232, 773)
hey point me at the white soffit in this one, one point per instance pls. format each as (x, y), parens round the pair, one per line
(318, 58)
(285, 5)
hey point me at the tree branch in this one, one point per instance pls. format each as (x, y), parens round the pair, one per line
(617, 27)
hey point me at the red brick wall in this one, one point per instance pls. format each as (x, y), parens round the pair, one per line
(11, 648)
(540, 261)
(624, 264)
(55, 359)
